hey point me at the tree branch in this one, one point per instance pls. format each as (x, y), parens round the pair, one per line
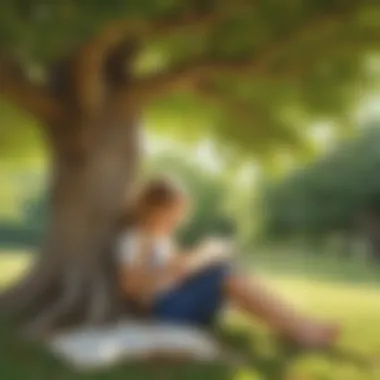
(87, 71)
(88, 66)
(186, 75)
(250, 117)
(191, 21)
(17, 87)
(305, 64)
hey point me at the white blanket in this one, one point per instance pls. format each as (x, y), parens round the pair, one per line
(93, 348)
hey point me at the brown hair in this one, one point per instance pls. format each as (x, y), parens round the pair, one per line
(156, 194)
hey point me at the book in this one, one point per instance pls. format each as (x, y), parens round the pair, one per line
(210, 251)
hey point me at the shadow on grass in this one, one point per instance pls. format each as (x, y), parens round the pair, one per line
(275, 364)
(320, 267)
(22, 360)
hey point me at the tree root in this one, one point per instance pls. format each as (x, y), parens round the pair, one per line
(67, 301)
(82, 299)
(99, 301)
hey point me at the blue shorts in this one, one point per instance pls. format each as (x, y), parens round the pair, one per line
(194, 302)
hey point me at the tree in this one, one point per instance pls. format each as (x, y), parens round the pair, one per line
(89, 74)
(340, 192)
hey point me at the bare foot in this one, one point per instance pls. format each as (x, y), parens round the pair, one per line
(316, 335)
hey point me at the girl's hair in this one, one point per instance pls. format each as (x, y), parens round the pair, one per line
(156, 194)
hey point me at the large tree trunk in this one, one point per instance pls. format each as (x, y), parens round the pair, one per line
(90, 114)
(74, 280)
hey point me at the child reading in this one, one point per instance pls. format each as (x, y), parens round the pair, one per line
(191, 288)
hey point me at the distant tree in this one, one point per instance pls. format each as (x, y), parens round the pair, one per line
(16, 235)
(338, 193)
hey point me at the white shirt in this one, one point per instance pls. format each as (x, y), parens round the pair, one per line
(129, 245)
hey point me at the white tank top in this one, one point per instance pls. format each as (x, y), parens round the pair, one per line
(128, 249)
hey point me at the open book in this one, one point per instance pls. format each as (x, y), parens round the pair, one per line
(209, 252)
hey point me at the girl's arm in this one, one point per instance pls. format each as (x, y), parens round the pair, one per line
(140, 277)
(141, 274)
(183, 265)
(208, 253)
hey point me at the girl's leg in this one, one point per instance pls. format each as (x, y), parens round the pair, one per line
(251, 296)
(195, 301)
(198, 300)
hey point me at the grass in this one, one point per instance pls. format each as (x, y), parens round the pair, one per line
(346, 291)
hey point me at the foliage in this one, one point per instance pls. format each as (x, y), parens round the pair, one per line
(20, 139)
(29, 230)
(330, 195)
(18, 235)
(306, 60)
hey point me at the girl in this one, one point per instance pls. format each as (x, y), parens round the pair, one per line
(191, 288)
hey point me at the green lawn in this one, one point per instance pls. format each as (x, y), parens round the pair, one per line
(317, 285)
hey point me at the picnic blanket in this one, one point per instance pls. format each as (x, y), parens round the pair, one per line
(98, 347)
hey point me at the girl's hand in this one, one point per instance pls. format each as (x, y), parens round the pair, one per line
(216, 248)
(208, 253)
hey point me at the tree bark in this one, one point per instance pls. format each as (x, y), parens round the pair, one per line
(74, 279)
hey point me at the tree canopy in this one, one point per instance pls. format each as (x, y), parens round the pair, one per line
(251, 73)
